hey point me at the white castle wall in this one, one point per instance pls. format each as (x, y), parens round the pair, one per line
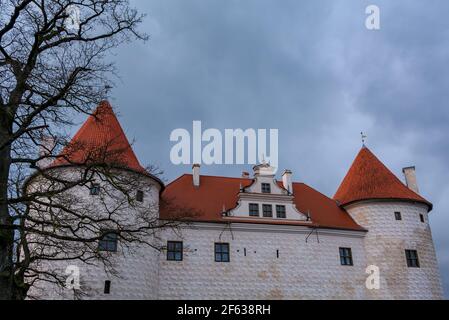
(137, 267)
(139, 277)
(303, 270)
(385, 246)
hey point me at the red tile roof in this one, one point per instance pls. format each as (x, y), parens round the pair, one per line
(100, 139)
(368, 178)
(215, 192)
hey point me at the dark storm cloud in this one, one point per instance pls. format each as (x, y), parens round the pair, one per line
(310, 69)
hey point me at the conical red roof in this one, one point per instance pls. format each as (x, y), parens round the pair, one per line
(100, 140)
(368, 178)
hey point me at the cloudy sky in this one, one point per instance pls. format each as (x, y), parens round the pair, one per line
(308, 68)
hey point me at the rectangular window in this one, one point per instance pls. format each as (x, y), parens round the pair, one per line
(346, 257)
(107, 287)
(266, 188)
(253, 210)
(412, 258)
(280, 212)
(267, 210)
(108, 242)
(174, 250)
(421, 217)
(222, 252)
(94, 189)
(397, 216)
(139, 196)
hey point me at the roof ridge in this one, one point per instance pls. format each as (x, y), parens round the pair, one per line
(215, 176)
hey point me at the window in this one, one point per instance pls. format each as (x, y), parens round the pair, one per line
(174, 250)
(267, 210)
(107, 287)
(346, 257)
(412, 258)
(221, 252)
(397, 216)
(421, 217)
(94, 189)
(108, 242)
(280, 212)
(266, 188)
(253, 210)
(139, 196)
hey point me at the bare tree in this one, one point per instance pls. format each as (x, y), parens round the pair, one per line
(53, 65)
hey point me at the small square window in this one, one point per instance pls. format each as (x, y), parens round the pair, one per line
(174, 250)
(280, 212)
(346, 256)
(397, 215)
(421, 217)
(412, 258)
(139, 195)
(107, 287)
(108, 242)
(253, 210)
(94, 189)
(222, 252)
(267, 210)
(266, 188)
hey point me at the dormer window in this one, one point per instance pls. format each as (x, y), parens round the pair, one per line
(266, 188)
(267, 210)
(280, 212)
(253, 210)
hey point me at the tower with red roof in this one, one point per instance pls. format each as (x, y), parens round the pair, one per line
(399, 241)
(120, 194)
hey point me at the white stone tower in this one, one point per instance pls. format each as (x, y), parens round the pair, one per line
(399, 240)
(136, 265)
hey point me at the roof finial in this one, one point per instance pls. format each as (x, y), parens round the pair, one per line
(364, 136)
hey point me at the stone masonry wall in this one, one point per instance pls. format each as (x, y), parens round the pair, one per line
(304, 270)
(385, 246)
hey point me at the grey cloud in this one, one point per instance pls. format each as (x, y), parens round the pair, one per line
(309, 68)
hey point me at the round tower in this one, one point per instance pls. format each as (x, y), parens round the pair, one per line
(399, 240)
(116, 193)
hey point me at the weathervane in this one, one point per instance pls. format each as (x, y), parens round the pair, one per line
(364, 136)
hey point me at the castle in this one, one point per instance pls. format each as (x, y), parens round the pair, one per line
(257, 237)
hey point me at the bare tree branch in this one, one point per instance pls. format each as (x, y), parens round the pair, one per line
(50, 71)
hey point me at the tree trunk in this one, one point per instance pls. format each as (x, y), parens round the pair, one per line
(6, 236)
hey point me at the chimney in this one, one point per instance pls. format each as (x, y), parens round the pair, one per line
(46, 147)
(196, 175)
(245, 175)
(287, 181)
(410, 178)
